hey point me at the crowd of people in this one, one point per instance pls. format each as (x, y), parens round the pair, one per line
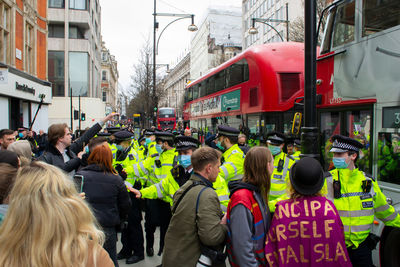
(63, 198)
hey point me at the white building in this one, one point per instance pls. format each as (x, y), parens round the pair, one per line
(219, 38)
(109, 80)
(174, 85)
(74, 45)
(268, 9)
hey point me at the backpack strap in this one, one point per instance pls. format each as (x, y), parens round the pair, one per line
(198, 199)
(195, 183)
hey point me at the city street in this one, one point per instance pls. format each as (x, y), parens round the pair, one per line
(148, 261)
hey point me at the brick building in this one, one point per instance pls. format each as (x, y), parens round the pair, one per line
(23, 64)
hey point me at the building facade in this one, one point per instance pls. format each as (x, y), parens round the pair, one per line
(217, 40)
(74, 60)
(109, 80)
(174, 85)
(268, 9)
(24, 89)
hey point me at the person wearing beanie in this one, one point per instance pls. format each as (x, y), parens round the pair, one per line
(306, 229)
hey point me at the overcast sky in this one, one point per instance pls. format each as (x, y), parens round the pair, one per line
(127, 24)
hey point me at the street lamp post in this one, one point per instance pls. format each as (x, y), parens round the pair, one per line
(192, 27)
(253, 29)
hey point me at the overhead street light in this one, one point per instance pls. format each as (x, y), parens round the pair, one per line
(253, 29)
(192, 27)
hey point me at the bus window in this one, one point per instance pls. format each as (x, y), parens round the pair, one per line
(330, 125)
(343, 31)
(359, 128)
(389, 157)
(195, 89)
(220, 81)
(190, 93)
(380, 15)
(210, 84)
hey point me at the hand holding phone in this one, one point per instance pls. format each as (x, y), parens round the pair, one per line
(78, 180)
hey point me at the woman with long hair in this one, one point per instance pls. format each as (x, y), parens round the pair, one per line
(48, 223)
(248, 213)
(106, 193)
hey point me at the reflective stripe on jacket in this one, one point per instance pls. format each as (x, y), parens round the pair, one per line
(357, 207)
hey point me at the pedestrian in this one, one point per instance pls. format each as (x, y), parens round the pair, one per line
(248, 214)
(243, 144)
(106, 194)
(23, 150)
(62, 152)
(41, 140)
(50, 219)
(282, 164)
(358, 199)
(7, 177)
(306, 229)
(198, 225)
(232, 161)
(7, 137)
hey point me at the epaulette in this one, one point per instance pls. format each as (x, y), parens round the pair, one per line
(290, 157)
(327, 174)
(369, 176)
(152, 146)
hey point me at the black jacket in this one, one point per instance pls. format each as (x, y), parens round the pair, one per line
(54, 157)
(107, 195)
(41, 141)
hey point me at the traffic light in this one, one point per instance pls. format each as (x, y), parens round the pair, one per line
(296, 123)
(83, 116)
(76, 114)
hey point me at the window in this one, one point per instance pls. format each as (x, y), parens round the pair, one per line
(29, 60)
(290, 84)
(79, 73)
(56, 3)
(380, 15)
(104, 75)
(104, 56)
(56, 72)
(5, 45)
(75, 32)
(56, 30)
(343, 31)
(220, 81)
(104, 96)
(235, 73)
(78, 4)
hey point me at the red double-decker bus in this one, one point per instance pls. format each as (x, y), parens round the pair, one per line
(256, 89)
(166, 118)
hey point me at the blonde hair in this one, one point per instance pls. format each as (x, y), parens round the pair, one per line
(47, 223)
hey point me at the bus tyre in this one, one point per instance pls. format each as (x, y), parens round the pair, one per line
(391, 255)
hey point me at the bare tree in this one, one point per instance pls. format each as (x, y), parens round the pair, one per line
(297, 25)
(141, 89)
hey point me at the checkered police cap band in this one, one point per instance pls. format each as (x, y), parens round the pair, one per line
(344, 146)
(185, 144)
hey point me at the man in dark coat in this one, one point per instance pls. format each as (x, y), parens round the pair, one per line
(62, 152)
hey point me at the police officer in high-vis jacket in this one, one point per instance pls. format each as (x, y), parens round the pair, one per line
(232, 162)
(358, 199)
(132, 235)
(179, 174)
(282, 164)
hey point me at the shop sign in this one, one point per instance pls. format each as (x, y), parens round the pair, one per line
(25, 88)
(3, 76)
(231, 101)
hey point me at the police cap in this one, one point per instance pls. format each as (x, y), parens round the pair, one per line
(113, 130)
(185, 142)
(148, 132)
(164, 136)
(142, 138)
(307, 176)
(123, 136)
(275, 138)
(297, 142)
(224, 130)
(342, 144)
(104, 134)
(290, 140)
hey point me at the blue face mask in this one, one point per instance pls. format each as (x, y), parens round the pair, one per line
(220, 146)
(275, 150)
(148, 141)
(159, 148)
(340, 163)
(87, 149)
(185, 160)
(20, 135)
